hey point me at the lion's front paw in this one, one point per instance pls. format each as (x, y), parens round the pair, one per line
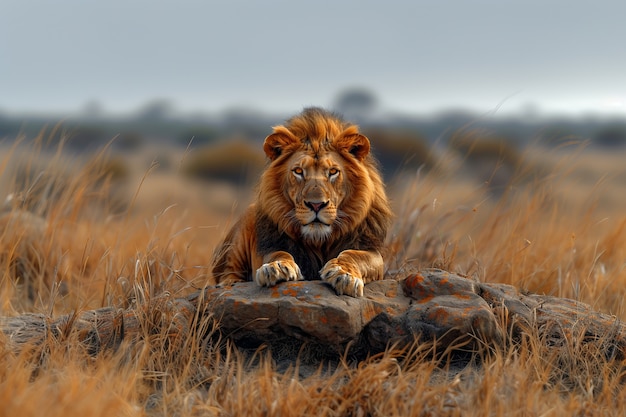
(342, 279)
(272, 273)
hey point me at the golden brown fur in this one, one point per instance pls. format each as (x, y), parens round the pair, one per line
(321, 210)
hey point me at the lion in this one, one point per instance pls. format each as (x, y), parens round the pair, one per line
(321, 211)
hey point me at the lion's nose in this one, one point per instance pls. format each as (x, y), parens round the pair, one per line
(316, 206)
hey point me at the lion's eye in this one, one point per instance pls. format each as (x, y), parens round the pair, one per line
(333, 172)
(299, 172)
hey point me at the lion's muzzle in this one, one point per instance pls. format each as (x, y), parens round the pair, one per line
(316, 206)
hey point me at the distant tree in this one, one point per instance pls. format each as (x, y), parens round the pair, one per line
(611, 136)
(156, 110)
(235, 161)
(400, 150)
(356, 102)
(87, 138)
(93, 109)
(129, 141)
(8, 126)
(199, 136)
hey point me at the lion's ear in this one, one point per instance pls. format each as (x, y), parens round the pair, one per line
(356, 144)
(276, 143)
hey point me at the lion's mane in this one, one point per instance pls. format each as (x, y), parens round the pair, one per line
(362, 216)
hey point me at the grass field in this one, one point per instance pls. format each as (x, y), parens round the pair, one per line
(85, 232)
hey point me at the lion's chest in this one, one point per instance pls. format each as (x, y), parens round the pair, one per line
(310, 259)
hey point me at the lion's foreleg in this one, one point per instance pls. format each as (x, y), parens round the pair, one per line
(348, 272)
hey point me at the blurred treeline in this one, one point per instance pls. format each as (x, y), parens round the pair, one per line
(227, 146)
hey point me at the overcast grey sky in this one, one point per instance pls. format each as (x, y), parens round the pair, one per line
(279, 55)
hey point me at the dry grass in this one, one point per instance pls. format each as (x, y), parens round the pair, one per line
(561, 234)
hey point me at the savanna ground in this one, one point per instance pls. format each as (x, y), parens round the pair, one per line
(84, 232)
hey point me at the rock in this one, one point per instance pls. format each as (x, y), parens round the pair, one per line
(305, 310)
(454, 312)
(433, 305)
(430, 306)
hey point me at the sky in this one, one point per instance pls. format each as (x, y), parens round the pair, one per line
(416, 56)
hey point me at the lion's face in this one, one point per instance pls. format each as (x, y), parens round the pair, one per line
(321, 180)
(316, 188)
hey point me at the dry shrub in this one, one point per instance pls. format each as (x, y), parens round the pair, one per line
(477, 145)
(401, 150)
(40, 181)
(492, 159)
(235, 161)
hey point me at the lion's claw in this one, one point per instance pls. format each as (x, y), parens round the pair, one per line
(272, 273)
(342, 281)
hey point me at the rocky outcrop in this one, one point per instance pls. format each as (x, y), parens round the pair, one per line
(433, 306)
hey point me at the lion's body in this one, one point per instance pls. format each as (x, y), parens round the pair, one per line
(321, 210)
